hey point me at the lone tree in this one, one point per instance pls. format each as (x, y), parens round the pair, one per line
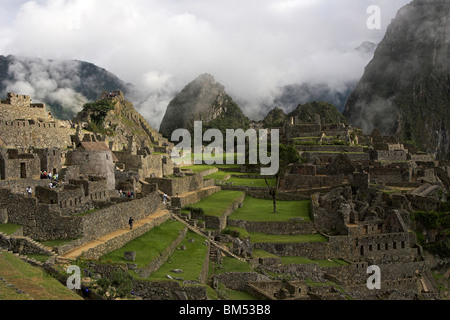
(288, 156)
(97, 112)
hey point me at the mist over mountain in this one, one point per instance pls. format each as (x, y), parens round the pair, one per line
(405, 88)
(63, 85)
(293, 95)
(204, 100)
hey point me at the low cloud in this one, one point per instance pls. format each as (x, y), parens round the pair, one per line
(253, 47)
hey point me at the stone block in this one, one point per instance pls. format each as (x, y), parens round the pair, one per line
(129, 255)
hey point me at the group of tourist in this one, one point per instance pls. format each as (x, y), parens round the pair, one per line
(49, 175)
(112, 95)
(129, 194)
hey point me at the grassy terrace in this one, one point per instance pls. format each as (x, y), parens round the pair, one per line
(216, 204)
(9, 228)
(149, 245)
(258, 253)
(261, 210)
(260, 183)
(189, 260)
(257, 237)
(32, 281)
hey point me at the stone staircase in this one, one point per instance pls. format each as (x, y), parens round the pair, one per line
(216, 244)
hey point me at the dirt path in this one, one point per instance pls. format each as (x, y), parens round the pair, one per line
(92, 244)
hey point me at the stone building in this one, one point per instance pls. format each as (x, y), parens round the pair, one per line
(94, 159)
(16, 165)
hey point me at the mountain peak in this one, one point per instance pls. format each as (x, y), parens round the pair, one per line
(204, 100)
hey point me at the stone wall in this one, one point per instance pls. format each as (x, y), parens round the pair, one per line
(94, 163)
(238, 280)
(44, 221)
(15, 165)
(116, 216)
(23, 245)
(193, 197)
(20, 134)
(164, 255)
(310, 250)
(391, 155)
(119, 241)
(291, 227)
(330, 148)
(179, 185)
(168, 290)
(219, 223)
(296, 181)
(423, 203)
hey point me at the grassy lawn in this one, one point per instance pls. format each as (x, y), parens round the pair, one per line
(189, 260)
(33, 281)
(198, 168)
(149, 245)
(239, 295)
(260, 183)
(257, 237)
(219, 175)
(261, 210)
(241, 233)
(321, 263)
(9, 228)
(216, 204)
(258, 253)
(56, 243)
(233, 265)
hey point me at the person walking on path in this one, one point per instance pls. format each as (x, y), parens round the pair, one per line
(130, 222)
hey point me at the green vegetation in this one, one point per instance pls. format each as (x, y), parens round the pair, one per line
(246, 182)
(257, 237)
(321, 263)
(190, 260)
(239, 295)
(148, 246)
(119, 285)
(9, 228)
(56, 243)
(32, 281)
(258, 253)
(236, 232)
(438, 221)
(216, 204)
(233, 265)
(98, 111)
(260, 210)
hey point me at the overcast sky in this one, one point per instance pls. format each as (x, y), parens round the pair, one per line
(250, 46)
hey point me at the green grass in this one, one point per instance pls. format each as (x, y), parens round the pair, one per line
(199, 168)
(216, 204)
(38, 257)
(190, 260)
(239, 295)
(321, 263)
(219, 175)
(246, 182)
(233, 265)
(36, 284)
(258, 253)
(261, 210)
(9, 228)
(257, 237)
(56, 243)
(234, 231)
(148, 246)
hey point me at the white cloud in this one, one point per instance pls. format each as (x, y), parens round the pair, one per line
(160, 45)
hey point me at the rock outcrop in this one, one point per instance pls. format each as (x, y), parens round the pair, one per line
(404, 89)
